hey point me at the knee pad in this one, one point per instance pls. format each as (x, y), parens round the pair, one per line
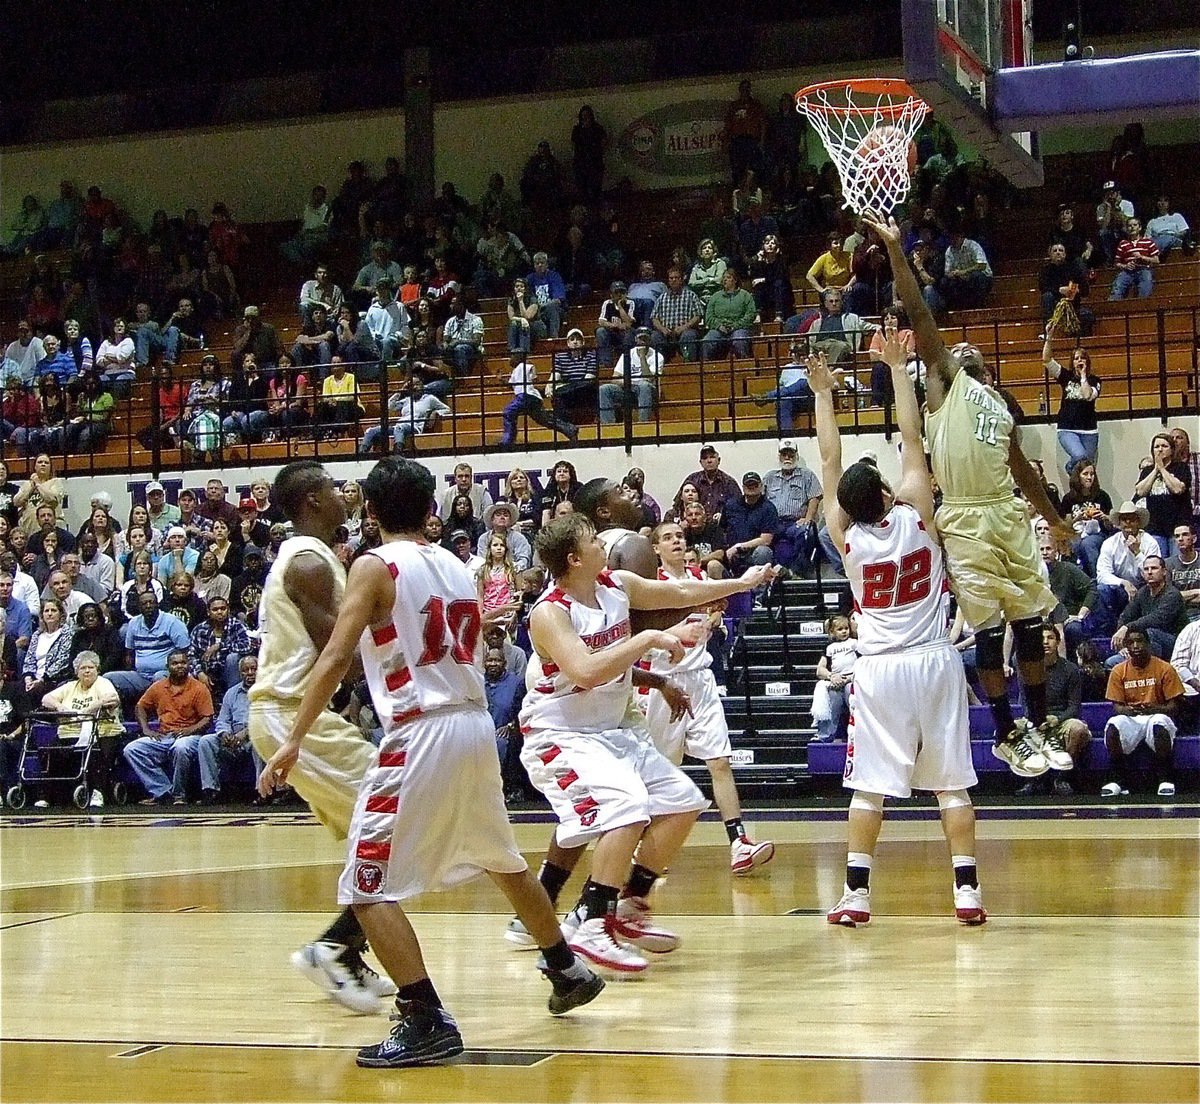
(953, 799)
(1027, 639)
(868, 802)
(989, 648)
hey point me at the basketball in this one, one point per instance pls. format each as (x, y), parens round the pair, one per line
(877, 149)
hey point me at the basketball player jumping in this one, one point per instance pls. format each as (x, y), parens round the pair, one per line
(993, 564)
(602, 779)
(297, 612)
(430, 813)
(909, 725)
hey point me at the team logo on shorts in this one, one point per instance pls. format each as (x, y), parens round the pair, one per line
(368, 877)
(849, 759)
(588, 818)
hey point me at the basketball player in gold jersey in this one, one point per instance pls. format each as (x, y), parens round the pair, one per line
(990, 554)
(297, 613)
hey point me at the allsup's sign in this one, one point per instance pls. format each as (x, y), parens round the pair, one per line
(678, 140)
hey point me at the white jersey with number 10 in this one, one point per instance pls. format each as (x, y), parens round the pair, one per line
(898, 580)
(427, 656)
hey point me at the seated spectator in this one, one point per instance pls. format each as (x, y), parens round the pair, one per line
(1089, 509)
(219, 296)
(313, 235)
(182, 601)
(247, 416)
(461, 516)
(833, 268)
(287, 401)
(167, 430)
(88, 430)
(967, 280)
(1183, 568)
(638, 369)
(139, 578)
(252, 529)
(525, 326)
(504, 692)
(729, 319)
(573, 380)
(71, 588)
(57, 363)
(183, 708)
(1078, 432)
(464, 484)
(444, 284)
(18, 626)
(461, 545)
(116, 360)
(209, 581)
(223, 546)
(794, 489)
(1064, 698)
(380, 267)
(313, 347)
(771, 282)
(645, 292)
(500, 254)
(835, 331)
(1074, 240)
(461, 342)
(1146, 693)
(893, 324)
(527, 400)
(1112, 212)
(413, 412)
(713, 486)
(149, 640)
(496, 580)
(1156, 610)
(339, 408)
(152, 340)
(1165, 485)
(835, 674)
(320, 291)
(1078, 598)
(872, 287)
(1185, 658)
(21, 418)
(615, 325)
(549, 292)
(94, 634)
(563, 487)
(751, 523)
(754, 226)
(1065, 279)
(703, 537)
(707, 275)
(90, 694)
(47, 523)
(246, 589)
(22, 356)
(501, 517)
(178, 556)
(48, 657)
(1136, 259)
(218, 643)
(677, 317)
(519, 492)
(95, 566)
(229, 742)
(1169, 229)
(254, 335)
(387, 323)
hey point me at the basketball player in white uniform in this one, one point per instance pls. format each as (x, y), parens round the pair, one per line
(909, 724)
(430, 813)
(702, 733)
(602, 779)
(296, 614)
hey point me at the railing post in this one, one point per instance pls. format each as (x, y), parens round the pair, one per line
(1161, 319)
(155, 426)
(627, 391)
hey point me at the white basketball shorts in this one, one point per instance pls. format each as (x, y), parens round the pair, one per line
(703, 735)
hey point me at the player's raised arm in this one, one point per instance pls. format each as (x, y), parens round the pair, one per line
(555, 638)
(941, 367)
(829, 443)
(659, 594)
(914, 485)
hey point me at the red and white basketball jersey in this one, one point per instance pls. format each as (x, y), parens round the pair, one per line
(553, 701)
(898, 580)
(697, 657)
(428, 656)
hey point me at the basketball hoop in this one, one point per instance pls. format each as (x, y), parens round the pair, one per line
(867, 126)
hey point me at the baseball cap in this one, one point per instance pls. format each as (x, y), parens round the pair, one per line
(574, 332)
(460, 534)
(248, 504)
(751, 479)
(177, 531)
(252, 550)
(643, 331)
(1109, 185)
(154, 485)
(788, 446)
(707, 450)
(618, 285)
(250, 312)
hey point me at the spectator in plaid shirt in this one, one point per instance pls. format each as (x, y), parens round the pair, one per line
(677, 318)
(1137, 257)
(218, 644)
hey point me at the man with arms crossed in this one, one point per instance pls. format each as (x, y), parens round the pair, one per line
(909, 727)
(991, 559)
(430, 813)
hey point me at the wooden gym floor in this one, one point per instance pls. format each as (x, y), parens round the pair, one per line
(145, 959)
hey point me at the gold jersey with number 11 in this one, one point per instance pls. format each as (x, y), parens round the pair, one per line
(968, 437)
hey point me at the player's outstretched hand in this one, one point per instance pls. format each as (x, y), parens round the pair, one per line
(895, 352)
(275, 773)
(887, 229)
(760, 576)
(677, 699)
(820, 378)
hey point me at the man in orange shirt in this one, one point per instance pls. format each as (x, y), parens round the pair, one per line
(1146, 692)
(184, 709)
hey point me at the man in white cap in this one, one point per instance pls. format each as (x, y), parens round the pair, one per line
(162, 514)
(795, 491)
(501, 517)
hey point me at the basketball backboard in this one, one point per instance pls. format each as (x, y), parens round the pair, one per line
(953, 50)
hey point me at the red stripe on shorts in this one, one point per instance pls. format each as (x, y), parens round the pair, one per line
(586, 805)
(384, 636)
(393, 758)
(398, 679)
(550, 754)
(568, 779)
(381, 803)
(405, 717)
(371, 850)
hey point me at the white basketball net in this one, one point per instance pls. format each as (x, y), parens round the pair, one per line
(867, 134)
